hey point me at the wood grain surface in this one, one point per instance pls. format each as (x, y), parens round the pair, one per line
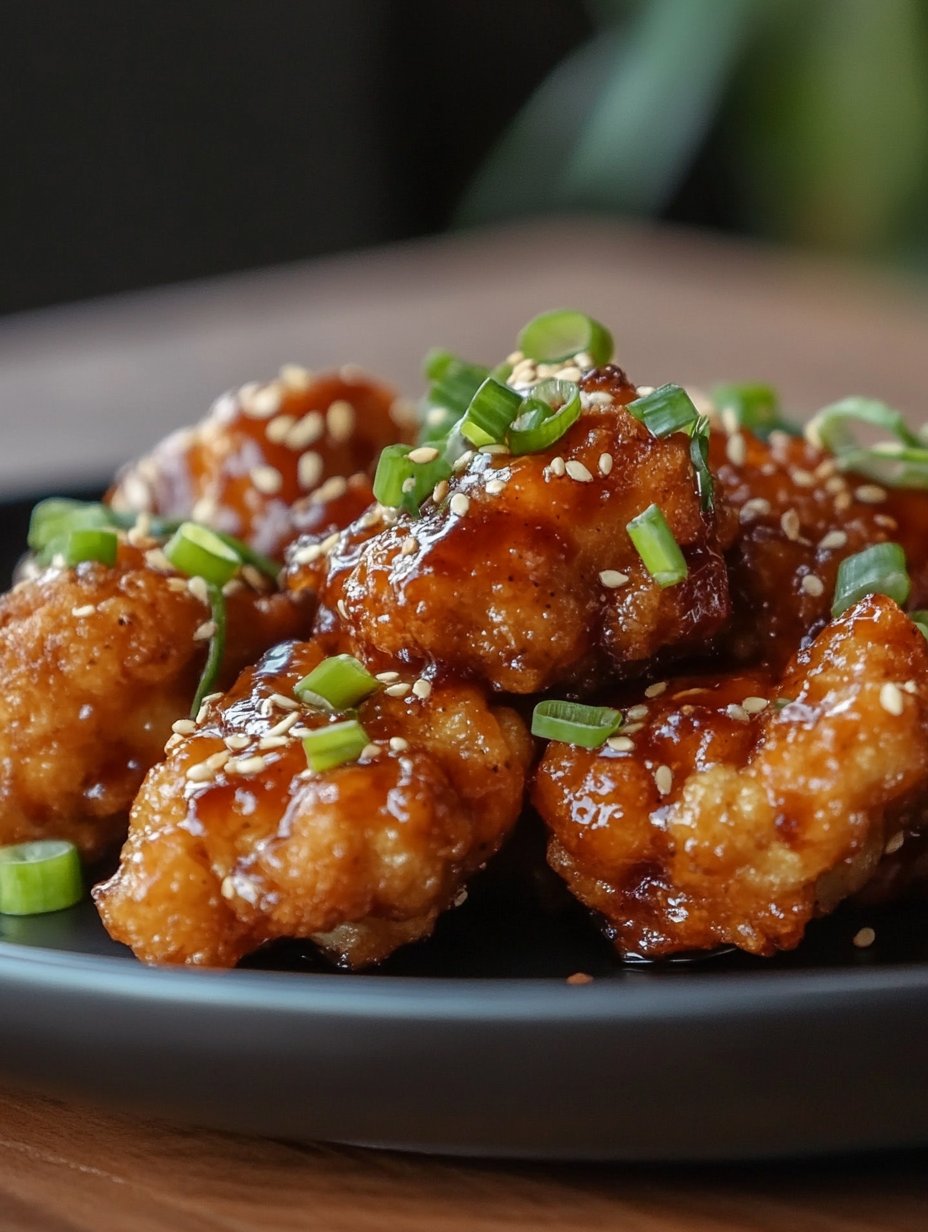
(82, 387)
(66, 1169)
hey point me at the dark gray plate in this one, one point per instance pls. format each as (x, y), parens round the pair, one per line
(474, 1043)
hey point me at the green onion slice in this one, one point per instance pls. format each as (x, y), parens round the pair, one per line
(878, 570)
(39, 876)
(401, 483)
(655, 544)
(331, 746)
(920, 620)
(564, 333)
(755, 407)
(492, 409)
(82, 545)
(452, 381)
(199, 552)
(901, 462)
(337, 683)
(665, 410)
(699, 456)
(217, 646)
(552, 407)
(573, 723)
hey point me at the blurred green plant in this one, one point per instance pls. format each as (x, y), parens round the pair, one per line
(817, 112)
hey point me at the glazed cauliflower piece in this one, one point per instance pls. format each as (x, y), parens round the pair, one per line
(235, 842)
(737, 807)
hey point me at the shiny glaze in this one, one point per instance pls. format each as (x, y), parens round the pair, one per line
(96, 664)
(764, 819)
(208, 472)
(509, 592)
(360, 858)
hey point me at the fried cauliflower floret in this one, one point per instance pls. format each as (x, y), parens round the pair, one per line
(746, 806)
(520, 573)
(262, 448)
(97, 663)
(235, 842)
(799, 517)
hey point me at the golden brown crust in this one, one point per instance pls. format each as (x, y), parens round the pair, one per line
(360, 858)
(729, 824)
(97, 663)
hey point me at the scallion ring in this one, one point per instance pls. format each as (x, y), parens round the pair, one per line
(452, 381)
(40, 876)
(217, 646)
(902, 462)
(574, 723)
(492, 409)
(655, 544)
(551, 409)
(402, 483)
(755, 407)
(878, 570)
(200, 552)
(562, 334)
(338, 683)
(79, 546)
(665, 410)
(334, 745)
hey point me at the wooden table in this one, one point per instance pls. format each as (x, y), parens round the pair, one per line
(82, 387)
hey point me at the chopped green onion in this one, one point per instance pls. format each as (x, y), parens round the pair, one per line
(328, 747)
(655, 544)
(699, 456)
(668, 409)
(53, 520)
(877, 570)
(552, 408)
(338, 683)
(39, 876)
(401, 482)
(83, 545)
(920, 620)
(902, 462)
(562, 334)
(452, 381)
(217, 646)
(573, 723)
(199, 552)
(437, 422)
(755, 407)
(493, 408)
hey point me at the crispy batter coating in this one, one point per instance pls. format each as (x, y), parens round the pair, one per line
(96, 664)
(521, 574)
(798, 519)
(234, 842)
(261, 449)
(726, 823)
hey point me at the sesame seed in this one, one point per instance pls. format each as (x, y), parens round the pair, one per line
(884, 520)
(558, 466)
(612, 578)
(892, 699)
(495, 486)
(825, 469)
(734, 711)
(305, 431)
(605, 463)
(254, 577)
(620, 744)
(340, 420)
(790, 524)
(288, 721)
(183, 727)
(198, 588)
(205, 509)
(177, 584)
(637, 712)
(173, 742)
(309, 470)
(834, 539)
(463, 462)
(910, 687)
(576, 470)
(330, 541)
(397, 690)
(813, 585)
(842, 502)
(835, 484)
(600, 398)
(333, 489)
(217, 760)
(198, 773)
(730, 424)
(570, 373)
(410, 545)
(460, 898)
(387, 677)
(864, 938)
(663, 779)
(404, 412)
(408, 484)
(398, 744)
(268, 743)
(494, 450)
(425, 453)
(278, 428)
(514, 357)
(307, 555)
(237, 741)
(156, 559)
(246, 765)
(655, 690)
(802, 478)
(736, 450)
(870, 493)
(754, 705)
(630, 729)
(459, 504)
(422, 689)
(757, 507)
(205, 631)
(894, 843)
(263, 403)
(370, 751)
(295, 376)
(440, 491)
(86, 609)
(283, 702)
(436, 416)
